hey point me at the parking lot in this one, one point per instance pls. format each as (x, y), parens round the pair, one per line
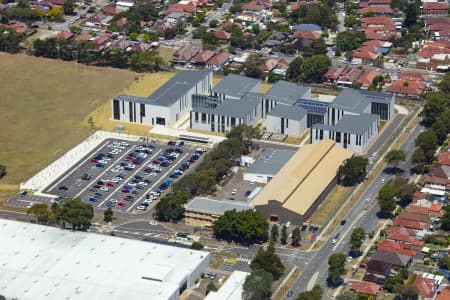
(126, 176)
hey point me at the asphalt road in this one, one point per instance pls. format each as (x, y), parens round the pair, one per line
(316, 271)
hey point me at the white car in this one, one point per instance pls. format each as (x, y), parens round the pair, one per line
(233, 192)
(141, 207)
(30, 205)
(104, 188)
(115, 180)
(153, 223)
(349, 259)
(382, 180)
(288, 223)
(334, 241)
(113, 200)
(200, 149)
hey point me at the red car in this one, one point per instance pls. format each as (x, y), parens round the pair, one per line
(94, 160)
(110, 184)
(156, 162)
(125, 191)
(121, 204)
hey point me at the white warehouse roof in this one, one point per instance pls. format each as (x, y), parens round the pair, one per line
(231, 289)
(41, 262)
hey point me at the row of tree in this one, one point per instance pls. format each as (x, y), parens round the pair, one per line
(214, 167)
(275, 233)
(396, 191)
(84, 52)
(353, 171)
(10, 40)
(71, 212)
(435, 113)
(266, 268)
(2, 170)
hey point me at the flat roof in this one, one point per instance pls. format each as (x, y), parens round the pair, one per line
(41, 262)
(287, 92)
(270, 161)
(288, 112)
(357, 100)
(235, 85)
(217, 206)
(304, 177)
(231, 289)
(357, 124)
(177, 86)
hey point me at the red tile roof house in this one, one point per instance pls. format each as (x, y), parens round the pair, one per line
(435, 9)
(444, 158)
(218, 60)
(427, 287)
(445, 294)
(407, 88)
(202, 57)
(373, 3)
(222, 35)
(121, 22)
(269, 64)
(367, 288)
(184, 54)
(396, 247)
(306, 34)
(299, 4)
(349, 76)
(366, 78)
(65, 35)
(83, 37)
(257, 6)
(101, 42)
(375, 10)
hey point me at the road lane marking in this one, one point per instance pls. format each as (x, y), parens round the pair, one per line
(312, 281)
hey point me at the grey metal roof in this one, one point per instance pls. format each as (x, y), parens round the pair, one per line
(357, 100)
(235, 85)
(288, 112)
(177, 86)
(287, 92)
(356, 124)
(133, 99)
(217, 206)
(270, 161)
(230, 108)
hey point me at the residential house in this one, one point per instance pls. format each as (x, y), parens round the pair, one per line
(427, 286)
(348, 76)
(65, 35)
(366, 78)
(176, 18)
(184, 54)
(404, 235)
(83, 37)
(377, 271)
(395, 259)
(202, 57)
(299, 4)
(435, 9)
(122, 22)
(379, 28)
(160, 26)
(277, 38)
(438, 28)
(249, 17)
(218, 60)
(307, 27)
(407, 88)
(367, 54)
(111, 9)
(444, 294)
(257, 6)
(375, 11)
(396, 247)
(102, 42)
(375, 3)
(366, 288)
(222, 35)
(308, 35)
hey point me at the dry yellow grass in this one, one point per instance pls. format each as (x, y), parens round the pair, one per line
(166, 53)
(43, 108)
(296, 140)
(287, 285)
(265, 87)
(330, 205)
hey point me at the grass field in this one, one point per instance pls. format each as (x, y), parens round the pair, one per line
(330, 205)
(44, 104)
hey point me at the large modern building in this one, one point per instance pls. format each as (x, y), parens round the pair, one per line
(203, 211)
(232, 288)
(267, 165)
(286, 93)
(168, 104)
(303, 182)
(41, 262)
(353, 118)
(353, 132)
(284, 119)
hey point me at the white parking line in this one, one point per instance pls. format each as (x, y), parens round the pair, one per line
(74, 168)
(104, 172)
(158, 181)
(118, 186)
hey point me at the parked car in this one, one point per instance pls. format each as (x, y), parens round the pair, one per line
(86, 176)
(63, 187)
(121, 204)
(125, 191)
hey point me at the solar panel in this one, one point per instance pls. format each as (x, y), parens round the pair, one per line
(316, 107)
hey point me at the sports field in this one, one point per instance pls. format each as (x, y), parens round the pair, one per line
(44, 104)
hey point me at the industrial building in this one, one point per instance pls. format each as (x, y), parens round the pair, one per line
(203, 211)
(303, 182)
(41, 262)
(267, 165)
(168, 104)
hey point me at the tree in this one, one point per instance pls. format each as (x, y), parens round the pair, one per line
(435, 104)
(445, 220)
(108, 215)
(76, 213)
(347, 295)
(404, 191)
(213, 23)
(268, 261)
(319, 47)
(41, 211)
(407, 292)
(246, 227)
(353, 170)
(386, 199)
(296, 237)
(252, 64)
(274, 233)
(356, 239)
(349, 40)
(394, 157)
(146, 61)
(315, 67)
(336, 267)
(284, 236)
(210, 287)
(257, 286)
(314, 294)
(69, 7)
(295, 70)
(2, 170)
(444, 85)
(236, 36)
(197, 246)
